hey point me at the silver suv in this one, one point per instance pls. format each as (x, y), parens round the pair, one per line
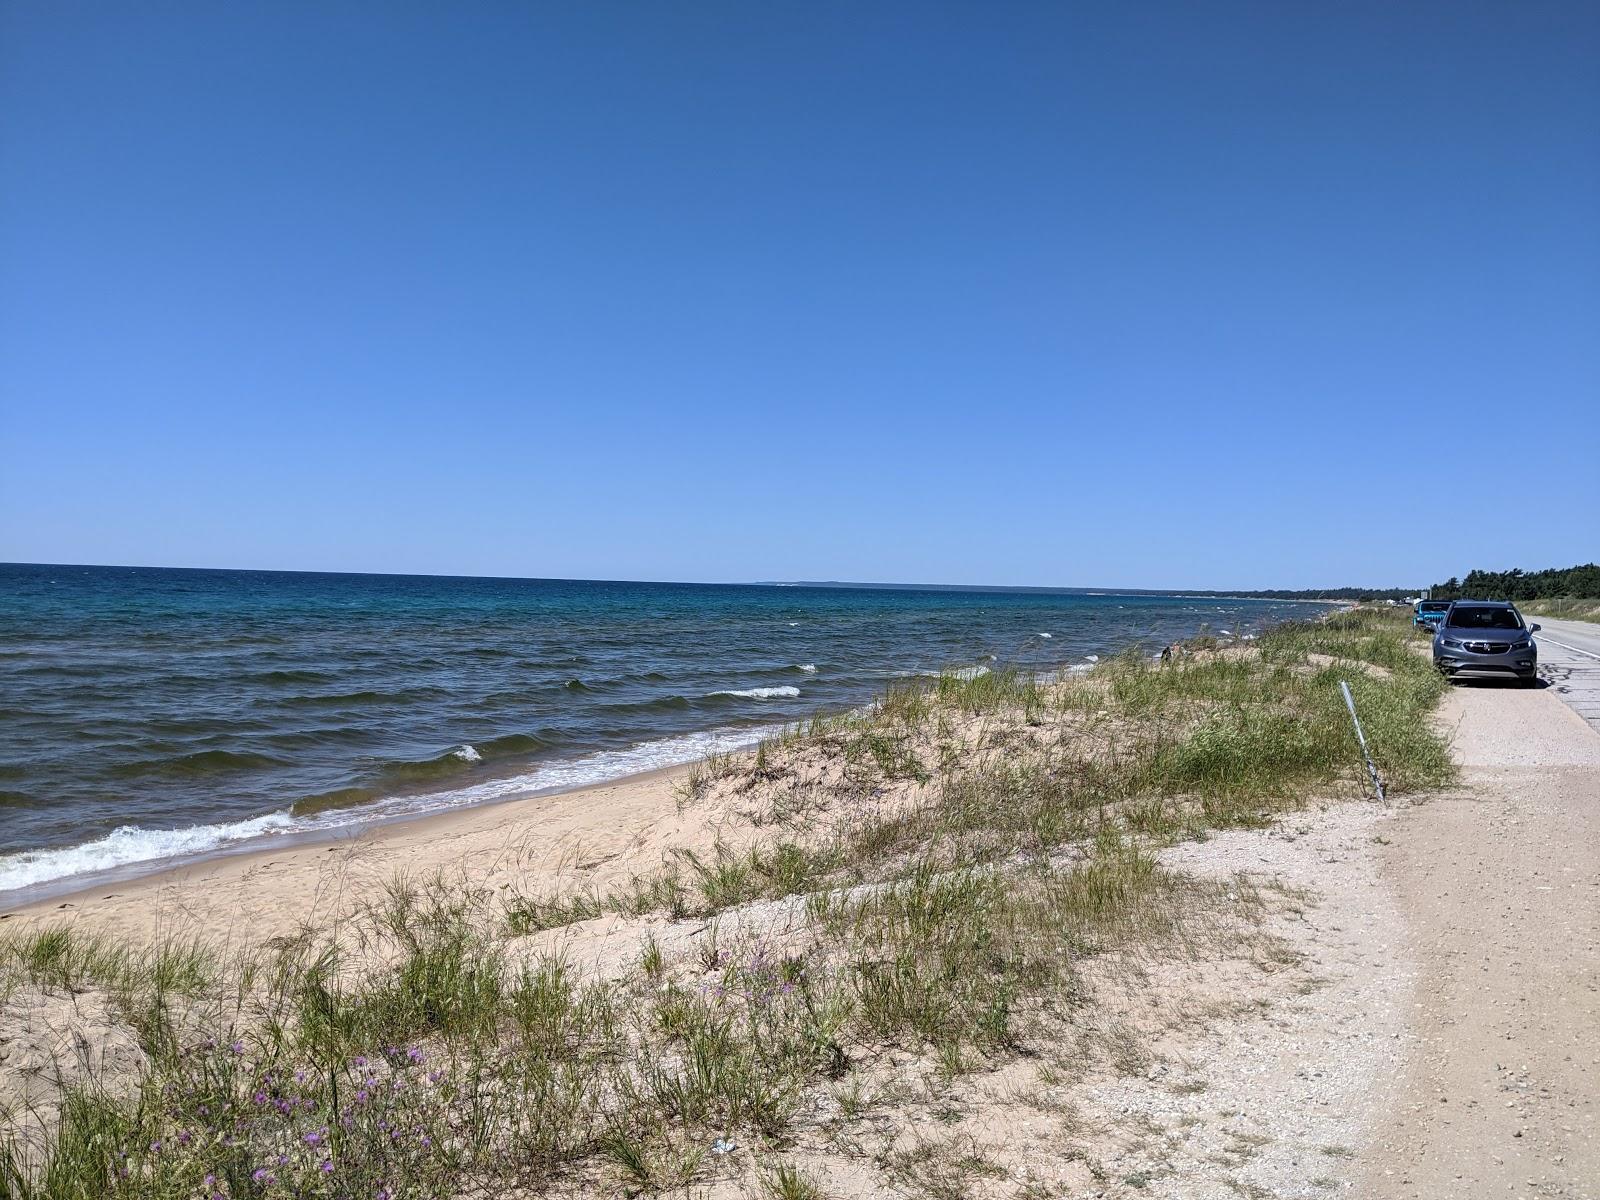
(1486, 639)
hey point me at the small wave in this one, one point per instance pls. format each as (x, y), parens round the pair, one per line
(760, 693)
(656, 704)
(201, 762)
(129, 845)
(512, 744)
(291, 677)
(1093, 658)
(1046, 635)
(348, 699)
(449, 763)
(350, 797)
(966, 673)
(805, 668)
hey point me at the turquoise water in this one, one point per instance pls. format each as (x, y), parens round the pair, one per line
(157, 714)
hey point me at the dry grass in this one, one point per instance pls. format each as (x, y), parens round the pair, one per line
(1567, 608)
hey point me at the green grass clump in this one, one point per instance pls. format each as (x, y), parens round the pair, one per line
(787, 1182)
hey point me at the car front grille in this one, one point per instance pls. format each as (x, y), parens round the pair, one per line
(1489, 647)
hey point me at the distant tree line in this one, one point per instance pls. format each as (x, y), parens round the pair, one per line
(1583, 582)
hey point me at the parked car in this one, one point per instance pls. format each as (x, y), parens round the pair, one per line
(1486, 639)
(1429, 613)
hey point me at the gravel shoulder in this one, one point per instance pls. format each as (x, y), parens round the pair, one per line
(1442, 1037)
(1499, 887)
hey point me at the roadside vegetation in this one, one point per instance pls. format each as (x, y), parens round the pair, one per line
(921, 890)
(1563, 609)
(1581, 581)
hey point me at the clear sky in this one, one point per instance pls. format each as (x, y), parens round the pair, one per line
(1209, 295)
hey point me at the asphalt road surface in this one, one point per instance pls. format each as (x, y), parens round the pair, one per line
(1569, 658)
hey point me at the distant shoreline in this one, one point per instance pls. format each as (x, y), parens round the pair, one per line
(1287, 597)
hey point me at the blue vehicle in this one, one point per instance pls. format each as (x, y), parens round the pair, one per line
(1429, 613)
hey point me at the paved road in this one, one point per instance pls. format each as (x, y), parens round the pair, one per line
(1569, 657)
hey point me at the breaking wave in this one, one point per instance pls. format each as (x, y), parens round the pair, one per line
(129, 845)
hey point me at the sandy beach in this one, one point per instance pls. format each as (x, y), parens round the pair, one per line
(590, 837)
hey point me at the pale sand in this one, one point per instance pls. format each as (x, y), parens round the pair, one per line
(597, 836)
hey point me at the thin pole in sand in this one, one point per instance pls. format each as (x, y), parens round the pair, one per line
(1349, 702)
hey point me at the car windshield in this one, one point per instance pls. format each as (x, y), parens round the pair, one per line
(1433, 606)
(1481, 616)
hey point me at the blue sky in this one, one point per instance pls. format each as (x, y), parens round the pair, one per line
(1075, 294)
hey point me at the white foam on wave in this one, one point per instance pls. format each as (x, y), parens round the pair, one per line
(760, 693)
(1093, 658)
(467, 754)
(809, 668)
(129, 845)
(1045, 635)
(962, 673)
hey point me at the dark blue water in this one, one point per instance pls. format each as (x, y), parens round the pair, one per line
(151, 713)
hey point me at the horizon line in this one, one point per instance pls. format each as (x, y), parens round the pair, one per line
(791, 583)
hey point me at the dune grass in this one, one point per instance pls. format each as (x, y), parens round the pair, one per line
(998, 833)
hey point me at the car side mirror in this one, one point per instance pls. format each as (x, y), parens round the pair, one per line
(1533, 628)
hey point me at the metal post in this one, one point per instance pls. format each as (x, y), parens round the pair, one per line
(1349, 702)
